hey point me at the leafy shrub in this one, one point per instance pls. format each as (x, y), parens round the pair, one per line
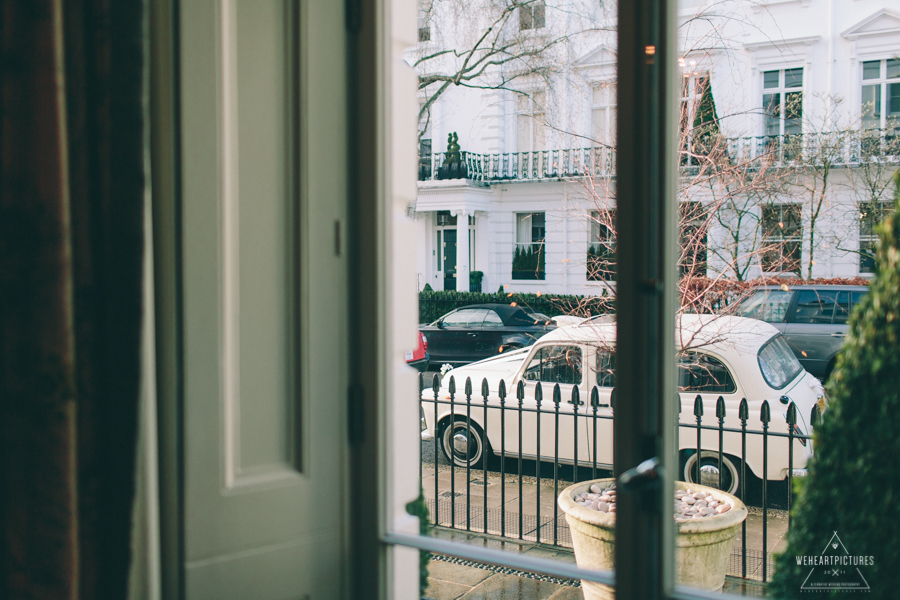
(433, 305)
(853, 487)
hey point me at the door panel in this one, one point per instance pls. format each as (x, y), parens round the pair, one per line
(255, 469)
(450, 259)
(811, 333)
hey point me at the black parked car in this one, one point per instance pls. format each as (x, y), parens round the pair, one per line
(480, 331)
(813, 319)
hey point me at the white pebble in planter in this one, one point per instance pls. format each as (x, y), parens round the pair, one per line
(707, 522)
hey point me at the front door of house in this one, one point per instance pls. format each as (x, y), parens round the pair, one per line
(449, 265)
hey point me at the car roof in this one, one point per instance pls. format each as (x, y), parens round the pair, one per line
(506, 312)
(724, 334)
(855, 288)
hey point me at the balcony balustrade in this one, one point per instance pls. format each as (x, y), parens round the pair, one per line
(841, 149)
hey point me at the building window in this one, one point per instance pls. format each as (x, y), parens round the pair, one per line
(528, 256)
(783, 102)
(601, 254)
(880, 106)
(424, 30)
(531, 128)
(425, 148)
(532, 16)
(446, 219)
(783, 238)
(693, 229)
(870, 215)
(698, 123)
(603, 114)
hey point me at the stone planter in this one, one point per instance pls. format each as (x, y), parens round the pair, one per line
(702, 545)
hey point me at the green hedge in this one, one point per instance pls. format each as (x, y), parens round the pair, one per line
(433, 305)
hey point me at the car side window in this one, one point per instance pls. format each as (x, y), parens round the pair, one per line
(606, 369)
(555, 364)
(846, 302)
(815, 306)
(467, 317)
(704, 374)
(492, 319)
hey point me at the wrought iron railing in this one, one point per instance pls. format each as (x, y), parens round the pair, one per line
(463, 503)
(838, 149)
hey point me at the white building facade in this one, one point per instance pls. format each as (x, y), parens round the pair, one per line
(806, 95)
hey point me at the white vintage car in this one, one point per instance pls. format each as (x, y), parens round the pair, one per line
(729, 357)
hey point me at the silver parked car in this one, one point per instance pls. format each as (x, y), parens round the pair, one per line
(812, 318)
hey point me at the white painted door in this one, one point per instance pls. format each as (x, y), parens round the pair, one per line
(262, 91)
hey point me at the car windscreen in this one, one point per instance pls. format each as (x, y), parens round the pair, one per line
(778, 364)
(766, 305)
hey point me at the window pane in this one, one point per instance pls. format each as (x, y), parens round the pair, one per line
(523, 228)
(525, 21)
(793, 112)
(867, 256)
(770, 79)
(772, 109)
(538, 19)
(599, 130)
(492, 319)
(768, 306)
(872, 69)
(440, 250)
(540, 133)
(464, 318)
(855, 298)
(793, 78)
(842, 308)
(704, 374)
(871, 106)
(778, 364)
(893, 100)
(598, 95)
(523, 133)
(606, 369)
(893, 68)
(815, 306)
(561, 364)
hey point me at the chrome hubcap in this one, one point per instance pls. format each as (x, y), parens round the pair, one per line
(461, 442)
(709, 475)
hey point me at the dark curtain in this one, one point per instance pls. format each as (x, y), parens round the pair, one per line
(71, 242)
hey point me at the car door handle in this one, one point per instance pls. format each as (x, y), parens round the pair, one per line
(838, 334)
(473, 334)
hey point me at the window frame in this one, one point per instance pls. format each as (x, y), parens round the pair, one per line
(883, 81)
(531, 109)
(530, 15)
(868, 239)
(782, 240)
(782, 90)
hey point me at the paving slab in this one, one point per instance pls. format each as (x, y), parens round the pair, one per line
(512, 587)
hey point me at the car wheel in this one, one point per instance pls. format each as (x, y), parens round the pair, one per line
(464, 444)
(709, 471)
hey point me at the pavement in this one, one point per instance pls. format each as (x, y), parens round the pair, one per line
(523, 517)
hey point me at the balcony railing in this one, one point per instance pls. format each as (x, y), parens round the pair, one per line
(838, 149)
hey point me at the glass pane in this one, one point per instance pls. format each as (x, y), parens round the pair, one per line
(772, 109)
(540, 133)
(492, 319)
(793, 78)
(893, 68)
(561, 364)
(599, 130)
(606, 369)
(705, 374)
(815, 306)
(770, 79)
(769, 306)
(855, 298)
(523, 133)
(870, 108)
(793, 112)
(538, 228)
(778, 364)
(893, 101)
(872, 69)
(867, 256)
(842, 308)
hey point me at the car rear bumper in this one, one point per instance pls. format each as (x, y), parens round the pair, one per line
(420, 365)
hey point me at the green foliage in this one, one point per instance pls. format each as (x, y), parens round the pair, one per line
(418, 508)
(427, 288)
(853, 487)
(501, 290)
(528, 262)
(476, 277)
(433, 305)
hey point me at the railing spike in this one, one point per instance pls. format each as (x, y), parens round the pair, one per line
(485, 388)
(792, 414)
(612, 398)
(720, 408)
(698, 406)
(576, 397)
(452, 386)
(501, 390)
(538, 393)
(436, 384)
(468, 386)
(557, 395)
(595, 397)
(765, 413)
(743, 410)
(520, 391)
